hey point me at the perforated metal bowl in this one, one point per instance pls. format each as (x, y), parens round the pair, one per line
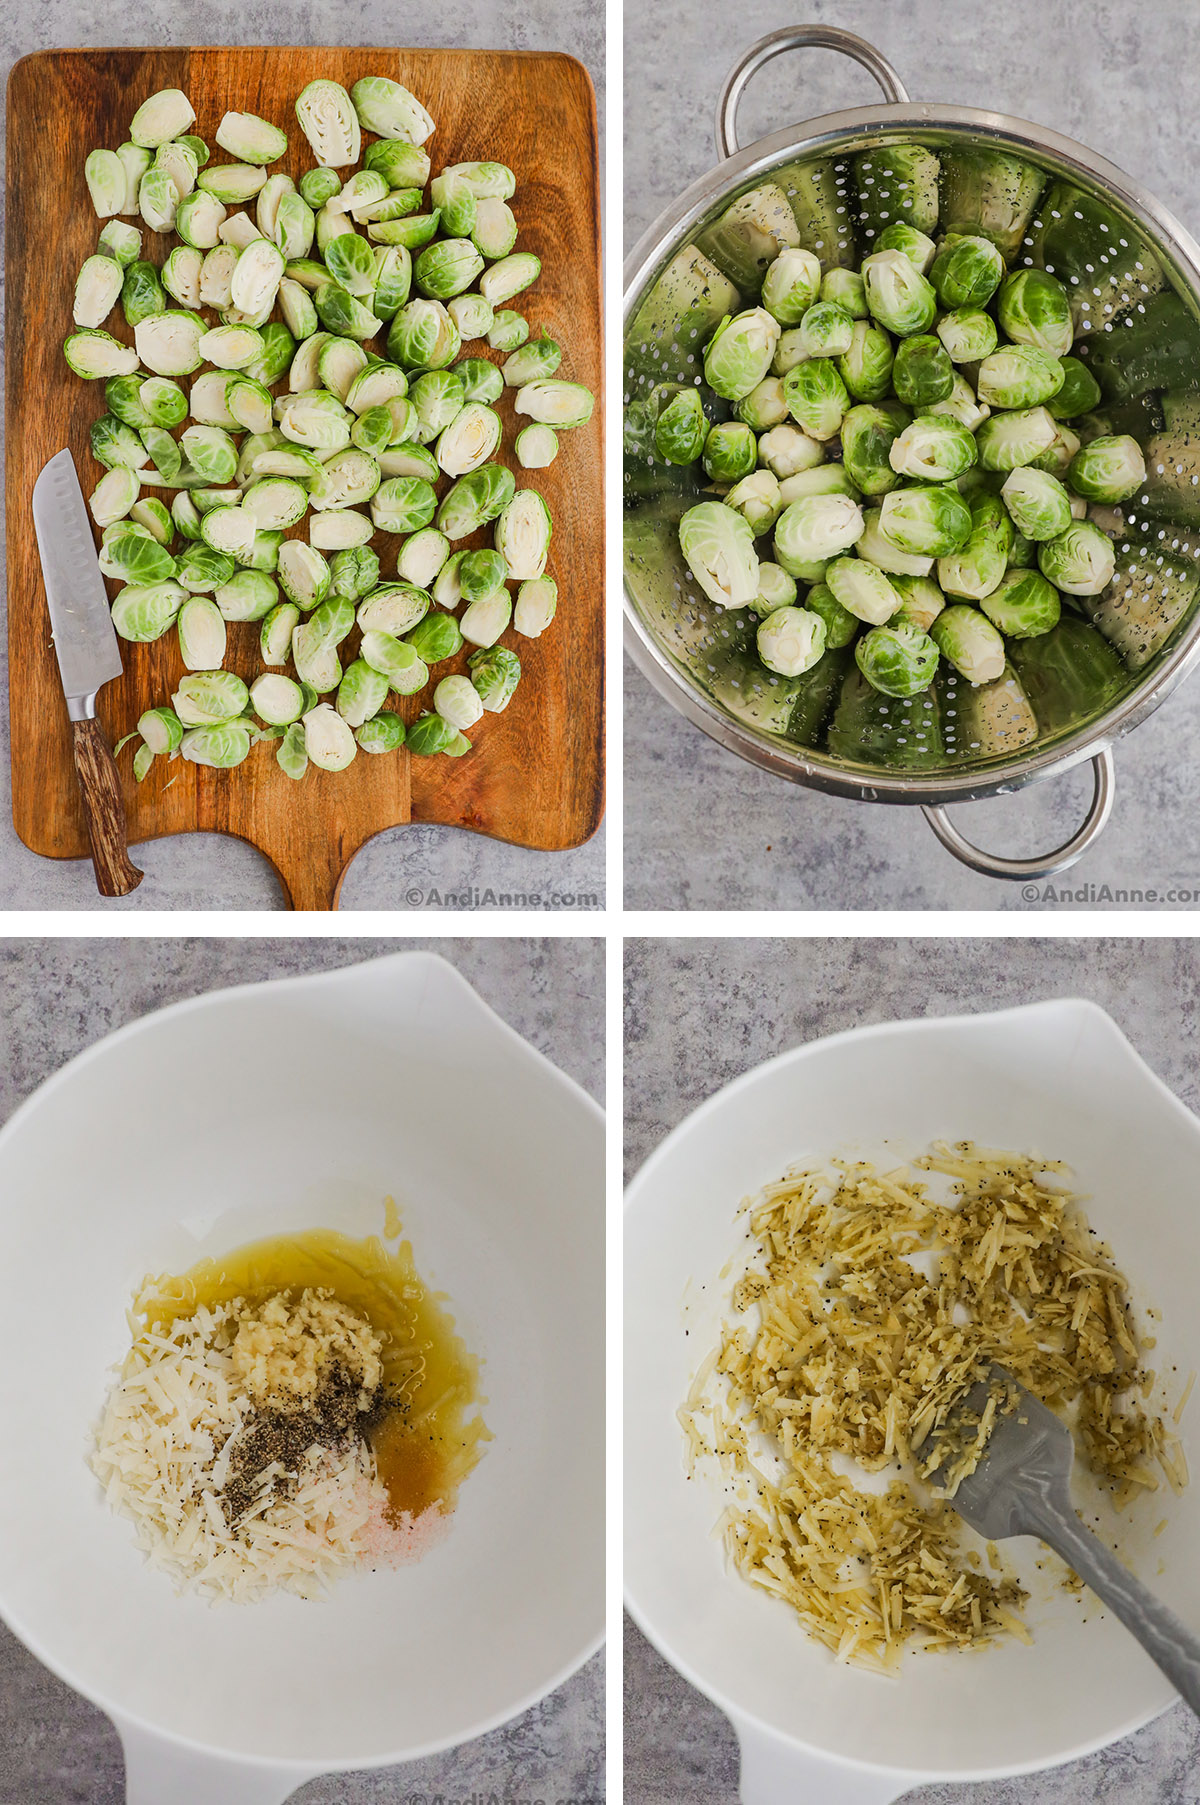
(1134, 275)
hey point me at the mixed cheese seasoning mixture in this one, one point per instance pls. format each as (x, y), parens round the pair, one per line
(867, 1308)
(267, 1431)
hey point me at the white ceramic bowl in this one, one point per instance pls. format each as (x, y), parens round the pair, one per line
(1056, 1078)
(245, 1113)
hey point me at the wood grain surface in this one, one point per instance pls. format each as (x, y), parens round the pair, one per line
(535, 774)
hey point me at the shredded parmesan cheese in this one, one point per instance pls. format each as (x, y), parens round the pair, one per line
(867, 1310)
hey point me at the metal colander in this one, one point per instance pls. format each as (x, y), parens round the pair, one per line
(1134, 276)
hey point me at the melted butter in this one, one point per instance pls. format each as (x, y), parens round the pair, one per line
(430, 1436)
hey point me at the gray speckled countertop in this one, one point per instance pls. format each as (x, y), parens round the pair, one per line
(1101, 71)
(734, 1003)
(212, 871)
(58, 997)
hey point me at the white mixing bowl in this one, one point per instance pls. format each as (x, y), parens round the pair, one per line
(1058, 1079)
(245, 1113)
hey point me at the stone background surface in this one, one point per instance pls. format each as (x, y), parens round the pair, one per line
(700, 1012)
(58, 997)
(705, 830)
(212, 871)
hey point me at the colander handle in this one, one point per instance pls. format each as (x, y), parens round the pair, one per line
(161, 1771)
(1050, 863)
(779, 1772)
(796, 37)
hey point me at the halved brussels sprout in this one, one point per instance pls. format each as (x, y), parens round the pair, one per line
(169, 343)
(114, 495)
(200, 626)
(403, 504)
(475, 499)
(1039, 505)
(1023, 605)
(917, 246)
(97, 291)
(1108, 469)
(394, 608)
(523, 532)
(508, 330)
(166, 115)
(921, 601)
(718, 547)
(554, 403)
(897, 659)
(1034, 308)
(405, 671)
(384, 733)
(423, 336)
(509, 277)
(390, 111)
(96, 355)
(104, 173)
(968, 640)
(470, 439)
(1080, 561)
(145, 611)
(222, 746)
(495, 672)
(330, 123)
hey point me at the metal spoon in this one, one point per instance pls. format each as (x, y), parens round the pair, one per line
(1021, 1486)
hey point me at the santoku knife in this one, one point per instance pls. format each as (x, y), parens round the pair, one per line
(85, 644)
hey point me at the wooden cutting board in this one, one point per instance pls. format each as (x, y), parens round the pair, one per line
(535, 774)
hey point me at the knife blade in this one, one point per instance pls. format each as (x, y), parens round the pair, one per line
(89, 656)
(85, 640)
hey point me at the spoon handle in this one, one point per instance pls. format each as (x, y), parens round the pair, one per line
(1165, 1639)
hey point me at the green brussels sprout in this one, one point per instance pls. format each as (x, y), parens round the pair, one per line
(277, 699)
(775, 588)
(458, 701)
(730, 452)
(403, 504)
(409, 459)
(968, 640)
(1039, 505)
(328, 739)
(481, 573)
(473, 316)
(862, 589)
(966, 272)
(342, 313)
(495, 672)
(447, 268)
(484, 620)
(877, 549)
(817, 397)
(185, 516)
(785, 450)
(164, 402)
(290, 754)
(757, 497)
(351, 264)
(320, 185)
(353, 572)
(133, 555)
(538, 359)
(482, 381)
(436, 638)
(557, 404)
(422, 556)
(868, 436)
(916, 246)
(1108, 469)
(788, 352)
(162, 731)
(522, 536)
(921, 601)
(361, 693)
(98, 287)
(508, 331)
(97, 355)
(897, 659)
(535, 607)
(841, 626)
(422, 336)
(977, 566)
(393, 281)
(390, 111)
(202, 570)
(166, 115)
(934, 448)
(458, 205)
(763, 407)
(149, 512)
(394, 608)
(401, 165)
(826, 330)
(866, 368)
(1034, 308)
(718, 548)
(114, 495)
(304, 576)
(1057, 455)
(211, 452)
(1006, 441)
(114, 444)
(145, 611)
(791, 285)
(198, 220)
(169, 343)
(1080, 561)
(124, 398)
(104, 173)
(1023, 605)
(821, 479)
(475, 499)
(507, 278)
(438, 398)
(810, 530)
(383, 733)
(739, 353)
(372, 431)
(1019, 376)
(928, 523)
(847, 288)
(429, 734)
(275, 634)
(791, 640)
(681, 428)
(922, 374)
(469, 440)
(158, 199)
(1079, 394)
(221, 746)
(330, 123)
(494, 232)
(206, 698)
(248, 595)
(899, 297)
(968, 336)
(960, 404)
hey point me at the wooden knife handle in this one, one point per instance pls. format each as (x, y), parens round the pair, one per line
(100, 788)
